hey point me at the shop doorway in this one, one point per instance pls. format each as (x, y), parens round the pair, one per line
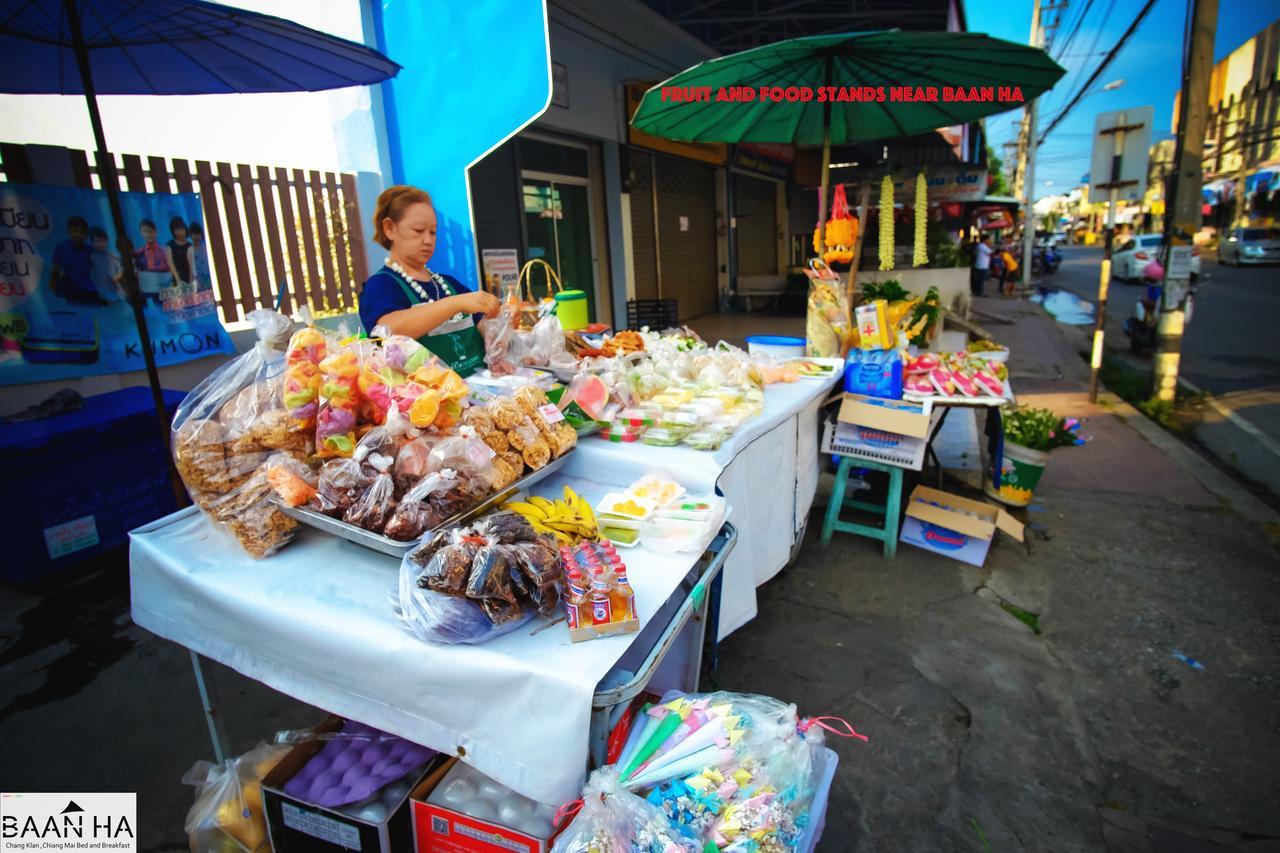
(560, 224)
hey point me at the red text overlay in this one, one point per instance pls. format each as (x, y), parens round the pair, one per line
(845, 94)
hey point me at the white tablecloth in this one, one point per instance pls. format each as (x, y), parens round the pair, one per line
(315, 621)
(767, 471)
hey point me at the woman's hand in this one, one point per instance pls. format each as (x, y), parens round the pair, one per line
(480, 302)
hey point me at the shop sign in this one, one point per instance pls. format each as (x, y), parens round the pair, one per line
(501, 268)
(945, 183)
(62, 308)
(764, 160)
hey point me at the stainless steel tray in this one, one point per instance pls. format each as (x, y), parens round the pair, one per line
(396, 548)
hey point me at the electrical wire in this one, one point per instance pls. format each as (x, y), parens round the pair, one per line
(1102, 66)
(1093, 46)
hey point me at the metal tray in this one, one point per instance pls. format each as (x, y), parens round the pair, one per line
(396, 548)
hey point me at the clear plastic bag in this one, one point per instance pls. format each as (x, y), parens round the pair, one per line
(614, 820)
(500, 568)
(372, 509)
(413, 461)
(293, 481)
(469, 457)
(499, 333)
(541, 345)
(414, 515)
(302, 377)
(385, 375)
(227, 814)
(339, 399)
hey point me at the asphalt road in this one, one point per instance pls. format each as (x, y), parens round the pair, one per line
(1229, 345)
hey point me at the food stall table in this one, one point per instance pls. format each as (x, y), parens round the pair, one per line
(994, 425)
(767, 472)
(315, 621)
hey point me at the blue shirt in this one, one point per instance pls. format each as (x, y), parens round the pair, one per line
(74, 261)
(383, 293)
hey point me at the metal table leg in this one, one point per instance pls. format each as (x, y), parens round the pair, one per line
(209, 700)
(700, 598)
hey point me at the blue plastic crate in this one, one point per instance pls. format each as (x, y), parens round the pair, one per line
(825, 770)
(81, 481)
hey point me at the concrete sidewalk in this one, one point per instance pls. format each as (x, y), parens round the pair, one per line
(1084, 732)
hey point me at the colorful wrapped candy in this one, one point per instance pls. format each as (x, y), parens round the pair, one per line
(302, 377)
(339, 402)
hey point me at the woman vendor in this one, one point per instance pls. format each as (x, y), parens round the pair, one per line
(409, 299)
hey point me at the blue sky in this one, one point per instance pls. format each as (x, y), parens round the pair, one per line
(1150, 63)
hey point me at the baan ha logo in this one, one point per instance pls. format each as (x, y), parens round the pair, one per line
(944, 539)
(68, 821)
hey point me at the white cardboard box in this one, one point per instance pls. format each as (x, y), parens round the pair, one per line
(953, 526)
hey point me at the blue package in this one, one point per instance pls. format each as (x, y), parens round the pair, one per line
(876, 373)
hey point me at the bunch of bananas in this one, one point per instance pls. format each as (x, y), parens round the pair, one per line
(570, 520)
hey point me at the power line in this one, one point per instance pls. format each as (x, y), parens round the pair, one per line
(1111, 55)
(1093, 45)
(1066, 44)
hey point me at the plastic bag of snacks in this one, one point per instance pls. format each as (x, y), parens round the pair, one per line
(499, 335)
(339, 399)
(828, 328)
(227, 814)
(302, 378)
(227, 428)
(500, 565)
(386, 375)
(614, 820)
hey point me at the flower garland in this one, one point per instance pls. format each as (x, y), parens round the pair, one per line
(920, 252)
(886, 223)
(443, 288)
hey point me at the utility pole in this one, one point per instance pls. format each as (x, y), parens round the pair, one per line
(1029, 171)
(1183, 219)
(1242, 131)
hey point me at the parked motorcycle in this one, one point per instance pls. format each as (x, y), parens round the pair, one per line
(1141, 325)
(1045, 260)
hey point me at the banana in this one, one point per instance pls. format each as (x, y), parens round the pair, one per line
(543, 504)
(570, 497)
(526, 509)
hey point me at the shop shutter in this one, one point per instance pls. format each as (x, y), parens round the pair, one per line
(642, 245)
(687, 189)
(757, 234)
(496, 199)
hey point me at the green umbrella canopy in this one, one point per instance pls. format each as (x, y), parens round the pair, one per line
(888, 58)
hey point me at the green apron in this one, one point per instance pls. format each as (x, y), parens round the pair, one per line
(457, 341)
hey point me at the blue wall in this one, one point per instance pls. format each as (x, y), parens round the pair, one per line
(474, 73)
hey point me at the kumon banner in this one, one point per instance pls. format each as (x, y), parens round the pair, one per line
(63, 312)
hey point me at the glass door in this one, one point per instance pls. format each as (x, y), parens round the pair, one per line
(558, 221)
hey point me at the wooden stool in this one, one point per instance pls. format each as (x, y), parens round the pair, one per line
(888, 533)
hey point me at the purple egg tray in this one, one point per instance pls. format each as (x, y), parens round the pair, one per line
(355, 766)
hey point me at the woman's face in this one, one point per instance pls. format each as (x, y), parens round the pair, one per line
(413, 238)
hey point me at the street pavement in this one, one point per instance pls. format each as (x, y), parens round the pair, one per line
(1229, 353)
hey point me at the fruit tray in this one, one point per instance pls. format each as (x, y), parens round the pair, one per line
(396, 548)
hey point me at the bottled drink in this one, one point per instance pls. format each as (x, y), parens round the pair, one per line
(601, 609)
(574, 599)
(622, 596)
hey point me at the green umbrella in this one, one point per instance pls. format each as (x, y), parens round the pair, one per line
(859, 64)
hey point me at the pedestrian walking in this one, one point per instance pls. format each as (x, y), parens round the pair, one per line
(981, 265)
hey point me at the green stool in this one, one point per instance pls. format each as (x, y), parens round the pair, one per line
(890, 508)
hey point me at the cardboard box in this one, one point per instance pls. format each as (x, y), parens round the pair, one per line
(440, 829)
(953, 526)
(295, 826)
(895, 432)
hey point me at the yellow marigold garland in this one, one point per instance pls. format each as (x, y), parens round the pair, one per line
(886, 223)
(919, 252)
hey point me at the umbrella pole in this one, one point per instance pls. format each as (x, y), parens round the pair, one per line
(864, 199)
(111, 183)
(826, 163)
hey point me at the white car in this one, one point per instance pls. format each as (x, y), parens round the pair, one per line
(1250, 246)
(1132, 256)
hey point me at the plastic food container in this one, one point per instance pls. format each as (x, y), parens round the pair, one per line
(705, 439)
(620, 531)
(693, 508)
(680, 420)
(639, 416)
(628, 507)
(673, 534)
(703, 407)
(620, 432)
(657, 489)
(662, 437)
(571, 308)
(778, 346)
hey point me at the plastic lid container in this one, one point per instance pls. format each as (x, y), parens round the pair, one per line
(662, 437)
(693, 508)
(778, 346)
(638, 416)
(703, 407)
(622, 532)
(657, 489)
(705, 439)
(625, 506)
(620, 432)
(680, 420)
(668, 535)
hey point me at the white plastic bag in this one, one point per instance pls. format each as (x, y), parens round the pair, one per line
(227, 814)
